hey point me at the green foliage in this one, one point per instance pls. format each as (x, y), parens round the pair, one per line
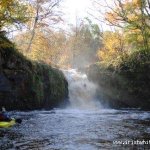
(123, 71)
(57, 48)
(84, 43)
(30, 85)
(12, 12)
(46, 46)
(125, 85)
(113, 50)
(133, 17)
(135, 61)
(121, 46)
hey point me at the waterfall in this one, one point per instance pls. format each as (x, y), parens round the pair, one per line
(82, 92)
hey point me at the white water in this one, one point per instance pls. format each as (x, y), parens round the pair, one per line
(82, 92)
(72, 129)
(85, 127)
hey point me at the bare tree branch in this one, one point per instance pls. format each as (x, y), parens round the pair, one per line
(41, 16)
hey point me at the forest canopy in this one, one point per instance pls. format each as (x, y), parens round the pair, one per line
(85, 42)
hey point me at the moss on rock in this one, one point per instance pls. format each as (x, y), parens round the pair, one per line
(125, 86)
(27, 85)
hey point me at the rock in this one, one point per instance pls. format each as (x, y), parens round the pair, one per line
(26, 85)
(122, 88)
(5, 85)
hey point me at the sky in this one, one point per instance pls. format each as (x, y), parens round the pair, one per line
(75, 8)
(79, 9)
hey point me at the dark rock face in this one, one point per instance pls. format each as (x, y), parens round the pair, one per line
(122, 88)
(5, 86)
(26, 85)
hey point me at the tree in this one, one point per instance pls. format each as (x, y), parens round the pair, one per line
(43, 14)
(113, 48)
(12, 12)
(133, 16)
(84, 43)
(47, 46)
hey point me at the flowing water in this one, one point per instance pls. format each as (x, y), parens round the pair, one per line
(82, 92)
(85, 125)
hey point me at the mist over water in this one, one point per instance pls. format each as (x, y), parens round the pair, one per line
(85, 125)
(82, 92)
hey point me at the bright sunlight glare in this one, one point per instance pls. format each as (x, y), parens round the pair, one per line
(76, 10)
(77, 5)
(73, 8)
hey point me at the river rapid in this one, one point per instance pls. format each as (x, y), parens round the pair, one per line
(84, 125)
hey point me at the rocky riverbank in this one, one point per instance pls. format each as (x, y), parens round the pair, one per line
(27, 85)
(125, 86)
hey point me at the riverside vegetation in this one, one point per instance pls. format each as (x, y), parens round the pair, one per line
(123, 72)
(26, 85)
(118, 60)
(126, 85)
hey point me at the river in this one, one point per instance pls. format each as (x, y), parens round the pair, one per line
(84, 125)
